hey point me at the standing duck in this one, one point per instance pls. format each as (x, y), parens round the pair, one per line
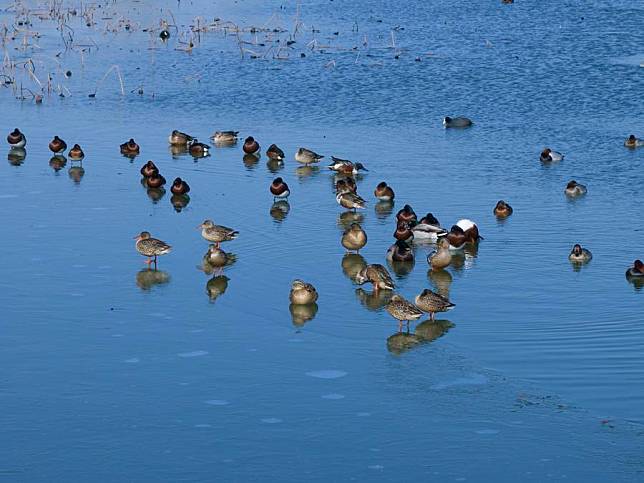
(16, 139)
(377, 275)
(456, 122)
(431, 302)
(384, 192)
(354, 238)
(275, 153)
(400, 252)
(428, 229)
(197, 149)
(279, 189)
(574, 189)
(151, 247)
(346, 167)
(637, 270)
(402, 310)
(502, 209)
(130, 148)
(76, 153)
(217, 233)
(156, 180)
(302, 293)
(350, 201)
(441, 257)
(178, 138)
(550, 156)
(306, 156)
(407, 215)
(179, 187)
(579, 254)
(57, 145)
(149, 168)
(225, 137)
(633, 142)
(251, 146)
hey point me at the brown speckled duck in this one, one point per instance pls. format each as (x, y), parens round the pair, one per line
(431, 302)
(302, 293)
(151, 247)
(354, 237)
(402, 310)
(178, 138)
(217, 233)
(377, 275)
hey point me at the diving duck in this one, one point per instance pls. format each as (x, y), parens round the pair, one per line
(275, 153)
(377, 275)
(633, 142)
(16, 139)
(406, 214)
(431, 302)
(550, 156)
(149, 168)
(344, 166)
(403, 231)
(179, 187)
(400, 252)
(574, 189)
(251, 146)
(354, 238)
(76, 153)
(197, 149)
(428, 229)
(217, 233)
(151, 247)
(579, 254)
(384, 192)
(441, 257)
(279, 189)
(637, 270)
(306, 156)
(156, 180)
(57, 145)
(456, 122)
(302, 293)
(225, 137)
(502, 209)
(178, 138)
(402, 310)
(130, 148)
(350, 201)
(216, 257)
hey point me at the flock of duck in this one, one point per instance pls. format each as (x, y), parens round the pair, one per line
(409, 229)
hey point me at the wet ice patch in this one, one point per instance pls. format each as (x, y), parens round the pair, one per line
(193, 354)
(333, 396)
(470, 380)
(271, 420)
(327, 374)
(217, 402)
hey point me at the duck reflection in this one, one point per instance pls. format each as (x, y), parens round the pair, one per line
(279, 210)
(178, 150)
(425, 332)
(351, 264)
(401, 342)
(57, 163)
(301, 314)
(304, 172)
(148, 278)
(216, 259)
(76, 173)
(636, 282)
(441, 281)
(179, 202)
(274, 165)
(464, 259)
(401, 268)
(216, 286)
(374, 300)
(347, 218)
(383, 209)
(155, 194)
(430, 330)
(250, 161)
(16, 156)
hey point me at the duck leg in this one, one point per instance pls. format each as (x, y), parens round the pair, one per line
(400, 323)
(148, 261)
(431, 316)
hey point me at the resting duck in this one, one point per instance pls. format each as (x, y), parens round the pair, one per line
(225, 137)
(574, 189)
(502, 209)
(76, 153)
(344, 166)
(151, 247)
(400, 252)
(402, 310)
(441, 257)
(57, 145)
(428, 229)
(279, 189)
(197, 149)
(306, 156)
(384, 192)
(377, 275)
(354, 238)
(550, 156)
(633, 142)
(407, 215)
(179, 187)
(465, 231)
(130, 148)
(431, 302)
(637, 270)
(16, 139)
(275, 153)
(178, 138)
(149, 168)
(350, 201)
(155, 181)
(251, 146)
(579, 254)
(456, 122)
(403, 231)
(217, 233)
(302, 293)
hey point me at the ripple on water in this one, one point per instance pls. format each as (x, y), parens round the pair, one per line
(333, 396)
(487, 431)
(327, 374)
(217, 402)
(271, 420)
(133, 360)
(193, 354)
(470, 380)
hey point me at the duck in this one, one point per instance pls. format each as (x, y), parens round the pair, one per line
(502, 209)
(151, 247)
(16, 139)
(637, 270)
(428, 229)
(441, 257)
(306, 156)
(217, 233)
(351, 184)
(57, 145)
(130, 148)
(344, 166)
(302, 293)
(178, 138)
(251, 146)
(574, 189)
(179, 187)
(400, 252)
(164, 34)
(550, 156)
(225, 137)
(579, 254)
(633, 142)
(470, 230)
(354, 238)
(279, 189)
(456, 238)
(384, 192)
(402, 310)
(155, 181)
(377, 275)
(149, 168)
(216, 257)
(76, 153)
(406, 214)
(275, 153)
(431, 302)
(197, 149)
(403, 231)
(350, 201)
(456, 121)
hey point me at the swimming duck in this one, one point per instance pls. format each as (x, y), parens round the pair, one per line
(217, 233)
(149, 168)
(306, 156)
(507, 2)
(302, 293)
(156, 180)
(57, 145)
(400, 252)
(76, 153)
(456, 122)
(279, 189)
(275, 153)
(402, 310)
(384, 192)
(441, 257)
(431, 302)
(403, 231)
(130, 148)
(550, 156)
(178, 138)
(502, 209)
(377, 275)
(406, 214)
(251, 146)
(197, 149)
(16, 139)
(350, 201)
(216, 257)
(633, 142)
(354, 237)
(574, 189)
(470, 230)
(344, 166)
(150, 247)
(579, 254)
(225, 137)
(428, 229)
(637, 270)
(179, 187)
